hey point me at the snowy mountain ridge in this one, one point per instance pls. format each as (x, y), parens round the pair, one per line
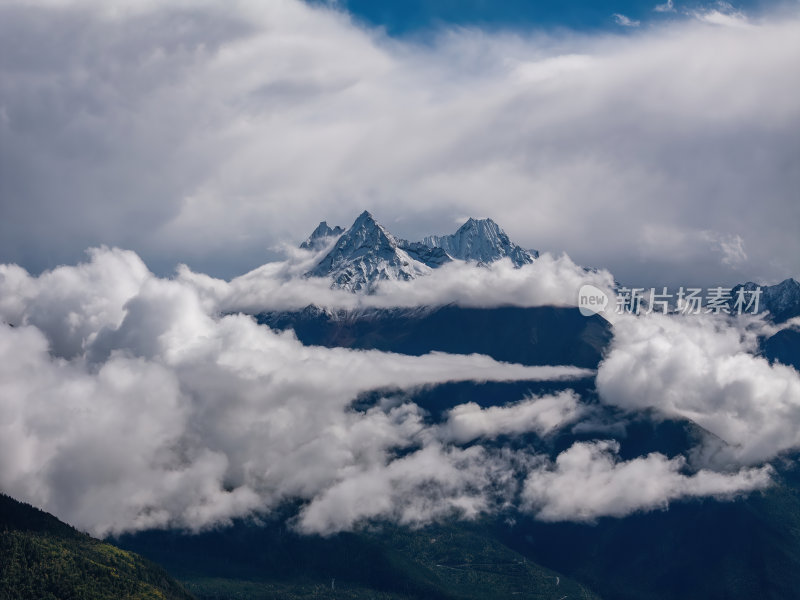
(481, 240)
(320, 236)
(782, 300)
(368, 253)
(365, 254)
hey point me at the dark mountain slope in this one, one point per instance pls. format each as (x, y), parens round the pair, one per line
(543, 335)
(266, 560)
(704, 550)
(783, 347)
(782, 300)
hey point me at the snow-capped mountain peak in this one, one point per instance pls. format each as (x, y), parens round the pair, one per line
(785, 294)
(321, 235)
(367, 253)
(483, 241)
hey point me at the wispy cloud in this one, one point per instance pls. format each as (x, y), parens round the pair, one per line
(625, 21)
(723, 14)
(668, 6)
(731, 246)
(541, 415)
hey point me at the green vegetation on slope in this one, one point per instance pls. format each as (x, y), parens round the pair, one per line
(445, 562)
(42, 558)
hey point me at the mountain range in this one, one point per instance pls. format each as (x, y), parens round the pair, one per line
(697, 549)
(736, 549)
(358, 258)
(368, 253)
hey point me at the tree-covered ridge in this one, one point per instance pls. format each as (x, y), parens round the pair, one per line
(42, 558)
(259, 560)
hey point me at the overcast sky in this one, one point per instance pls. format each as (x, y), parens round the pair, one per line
(658, 140)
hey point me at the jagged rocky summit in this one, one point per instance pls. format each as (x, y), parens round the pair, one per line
(481, 240)
(320, 236)
(367, 253)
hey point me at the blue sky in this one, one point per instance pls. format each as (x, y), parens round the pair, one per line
(409, 17)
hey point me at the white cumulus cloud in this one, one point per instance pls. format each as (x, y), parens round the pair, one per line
(705, 369)
(588, 481)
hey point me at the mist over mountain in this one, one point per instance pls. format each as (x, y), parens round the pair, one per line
(556, 357)
(472, 392)
(319, 237)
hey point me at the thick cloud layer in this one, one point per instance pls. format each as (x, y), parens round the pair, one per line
(147, 410)
(549, 281)
(208, 132)
(130, 402)
(704, 368)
